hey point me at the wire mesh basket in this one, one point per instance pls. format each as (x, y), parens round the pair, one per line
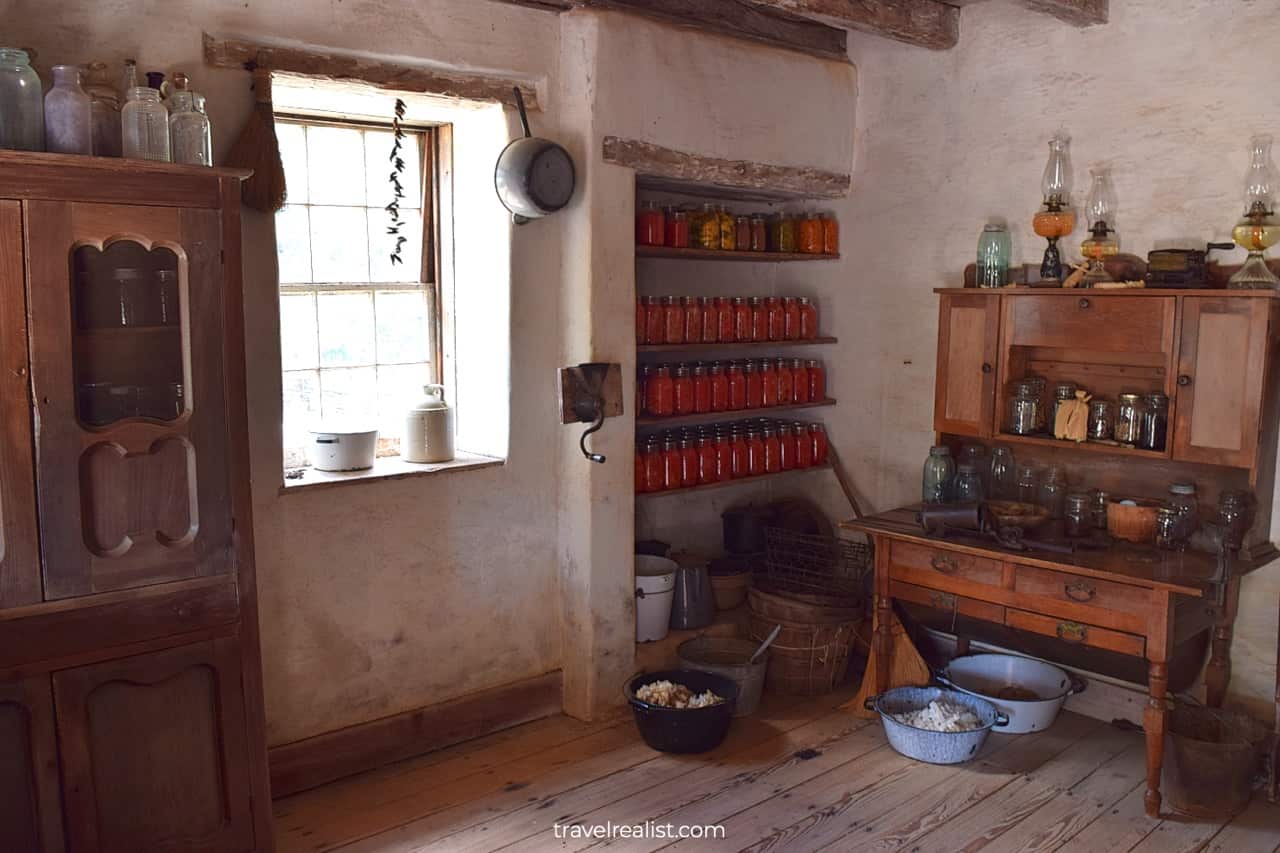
(820, 569)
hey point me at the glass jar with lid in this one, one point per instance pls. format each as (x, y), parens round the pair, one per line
(1235, 514)
(1099, 499)
(189, 129)
(759, 233)
(21, 102)
(1028, 484)
(968, 484)
(1003, 473)
(1167, 537)
(1155, 422)
(1023, 415)
(1053, 491)
(104, 110)
(1078, 514)
(1129, 414)
(145, 124)
(1102, 419)
(939, 472)
(1182, 498)
(1062, 392)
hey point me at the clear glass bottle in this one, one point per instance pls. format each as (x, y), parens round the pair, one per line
(129, 79)
(1182, 499)
(939, 472)
(189, 131)
(1077, 515)
(968, 484)
(104, 111)
(1167, 538)
(21, 102)
(145, 126)
(1028, 484)
(1053, 491)
(68, 125)
(1004, 474)
(994, 251)
(1100, 500)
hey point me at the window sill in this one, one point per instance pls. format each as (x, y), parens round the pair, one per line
(386, 468)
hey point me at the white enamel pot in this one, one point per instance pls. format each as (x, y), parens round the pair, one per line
(343, 450)
(999, 678)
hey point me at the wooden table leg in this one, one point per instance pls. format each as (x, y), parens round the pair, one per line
(1217, 674)
(1154, 719)
(883, 639)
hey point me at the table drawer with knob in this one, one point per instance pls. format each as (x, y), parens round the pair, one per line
(941, 568)
(948, 602)
(1077, 633)
(1100, 602)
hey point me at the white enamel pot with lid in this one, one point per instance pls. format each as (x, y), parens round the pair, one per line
(343, 449)
(428, 429)
(1030, 691)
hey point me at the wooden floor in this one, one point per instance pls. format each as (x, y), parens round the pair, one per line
(796, 776)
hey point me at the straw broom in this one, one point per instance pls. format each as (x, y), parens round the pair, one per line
(259, 150)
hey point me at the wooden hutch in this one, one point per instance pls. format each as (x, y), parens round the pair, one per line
(1129, 610)
(131, 713)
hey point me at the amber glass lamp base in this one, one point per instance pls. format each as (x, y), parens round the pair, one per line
(1254, 275)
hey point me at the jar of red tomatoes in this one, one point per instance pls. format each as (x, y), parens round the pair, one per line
(643, 372)
(708, 472)
(677, 222)
(790, 318)
(755, 453)
(799, 381)
(768, 384)
(670, 463)
(817, 381)
(692, 319)
(741, 454)
(673, 320)
(809, 234)
(650, 225)
(775, 319)
(655, 322)
(659, 393)
(759, 320)
(803, 445)
(724, 320)
(830, 234)
(818, 435)
(759, 233)
(724, 455)
(719, 385)
(682, 391)
(737, 381)
(742, 233)
(808, 319)
(741, 320)
(786, 448)
(710, 320)
(701, 390)
(755, 385)
(786, 389)
(653, 479)
(772, 450)
(688, 463)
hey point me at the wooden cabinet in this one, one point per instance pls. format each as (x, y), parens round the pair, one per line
(154, 752)
(964, 401)
(131, 711)
(1222, 367)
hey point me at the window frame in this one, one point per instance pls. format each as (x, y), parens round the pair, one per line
(433, 160)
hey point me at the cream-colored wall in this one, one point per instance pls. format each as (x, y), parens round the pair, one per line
(946, 140)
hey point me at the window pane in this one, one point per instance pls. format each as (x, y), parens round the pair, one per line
(378, 168)
(350, 397)
(335, 162)
(301, 405)
(298, 344)
(403, 334)
(399, 387)
(381, 243)
(339, 244)
(346, 329)
(293, 244)
(293, 153)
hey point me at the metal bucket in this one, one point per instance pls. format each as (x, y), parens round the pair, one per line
(1210, 761)
(728, 656)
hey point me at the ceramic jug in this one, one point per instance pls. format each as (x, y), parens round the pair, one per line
(428, 429)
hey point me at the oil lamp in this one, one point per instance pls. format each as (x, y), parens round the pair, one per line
(1259, 229)
(1101, 242)
(1056, 219)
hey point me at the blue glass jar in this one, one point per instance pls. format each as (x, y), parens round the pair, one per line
(939, 476)
(994, 251)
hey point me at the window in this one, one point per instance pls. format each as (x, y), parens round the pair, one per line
(358, 333)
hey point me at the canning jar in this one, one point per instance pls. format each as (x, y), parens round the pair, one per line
(145, 126)
(653, 466)
(755, 453)
(755, 385)
(1028, 484)
(1102, 420)
(705, 228)
(759, 233)
(724, 320)
(1003, 473)
(775, 319)
(808, 319)
(1062, 393)
(1023, 415)
(809, 234)
(1098, 507)
(1182, 497)
(21, 102)
(673, 320)
(786, 389)
(803, 445)
(1129, 414)
(968, 484)
(643, 373)
(1053, 491)
(759, 319)
(104, 111)
(737, 380)
(790, 318)
(741, 320)
(1235, 514)
(768, 383)
(655, 321)
(817, 375)
(741, 454)
(692, 319)
(818, 435)
(799, 381)
(650, 225)
(659, 391)
(728, 234)
(701, 390)
(1078, 515)
(742, 233)
(830, 234)
(670, 463)
(710, 319)
(677, 228)
(938, 477)
(1039, 387)
(1155, 422)
(189, 132)
(682, 391)
(785, 240)
(1167, 537)
(772, 451)
(68, 114)
(724, 456)
(719, 385)
(707, 469)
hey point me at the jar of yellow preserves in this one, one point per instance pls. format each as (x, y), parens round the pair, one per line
(704, 228)
(728, 229)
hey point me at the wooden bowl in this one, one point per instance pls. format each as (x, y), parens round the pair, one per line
(1016, 514)
(1133, 519)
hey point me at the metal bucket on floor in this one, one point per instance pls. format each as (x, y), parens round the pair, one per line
(1210, 760)
(728, 656)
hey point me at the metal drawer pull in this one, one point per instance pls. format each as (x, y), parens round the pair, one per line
(1073, 632)
(946, 565)
(942, 600)
(1184, 380)
(1080, 591)
(1084, 303)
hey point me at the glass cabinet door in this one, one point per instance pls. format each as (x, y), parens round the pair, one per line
(126, 340)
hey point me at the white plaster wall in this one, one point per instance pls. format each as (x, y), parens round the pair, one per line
(1168, 96)
(384, 597)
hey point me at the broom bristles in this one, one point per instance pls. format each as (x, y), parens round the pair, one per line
(259, 149)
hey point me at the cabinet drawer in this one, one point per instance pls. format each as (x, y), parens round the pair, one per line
(1137, 324)
(1076, 632)
(1099, 602)
(948, 602)
(924, 565)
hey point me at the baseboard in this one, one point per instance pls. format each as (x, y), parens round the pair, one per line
(307, 763)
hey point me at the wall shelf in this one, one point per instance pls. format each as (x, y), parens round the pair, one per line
(735, 415)
(730, 345)
(729, 483)
(1087, 446)
(724, 255)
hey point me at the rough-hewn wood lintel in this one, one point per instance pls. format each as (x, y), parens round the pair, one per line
(924, 23)
(680, 171)
(232, 53)
(1082, 13)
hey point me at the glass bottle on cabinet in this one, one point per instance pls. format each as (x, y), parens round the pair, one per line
(145, 126)
(21, 102)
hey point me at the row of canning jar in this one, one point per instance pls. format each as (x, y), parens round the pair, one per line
(666, 390)
(103, 403)
(715, 227)
(129, 299)
(1137, 420)
(678, 459)
(724, 319)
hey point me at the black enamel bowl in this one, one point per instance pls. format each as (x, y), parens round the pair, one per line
(684, 729)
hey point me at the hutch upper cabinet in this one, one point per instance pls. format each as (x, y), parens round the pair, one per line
(130, 678)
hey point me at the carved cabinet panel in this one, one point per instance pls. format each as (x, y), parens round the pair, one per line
(133, 485)
(968, 342)
(30, 811)
(155, 754)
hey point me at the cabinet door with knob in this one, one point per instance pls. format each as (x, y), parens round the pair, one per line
(968, 340)
(1220, 379)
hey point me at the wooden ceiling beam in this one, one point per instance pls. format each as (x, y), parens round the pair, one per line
(924, 23)
(1081, 13)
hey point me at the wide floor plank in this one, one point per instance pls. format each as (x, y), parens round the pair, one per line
(1255, 830)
